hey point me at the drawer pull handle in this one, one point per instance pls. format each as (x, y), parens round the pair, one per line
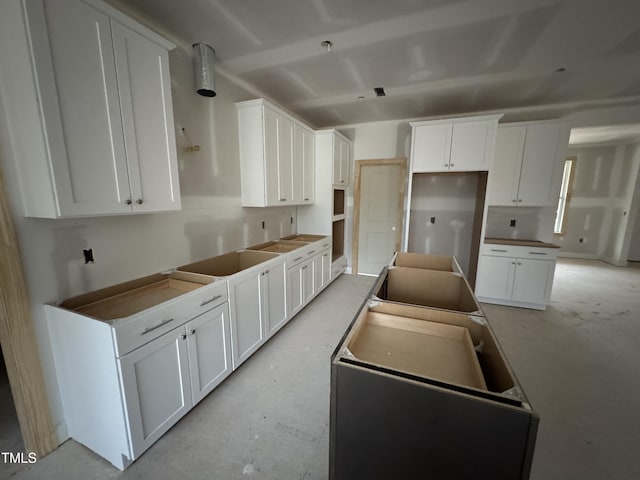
(305, 267)
(296, 259)
(311, 252)
(204, 302)
(192, 331)
(161, 324)
(497, 250)
(537, 253)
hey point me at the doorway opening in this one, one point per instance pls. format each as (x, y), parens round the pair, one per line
(379, 197)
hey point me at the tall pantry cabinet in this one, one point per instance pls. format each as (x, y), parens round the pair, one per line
(101, 139)
(327, 216)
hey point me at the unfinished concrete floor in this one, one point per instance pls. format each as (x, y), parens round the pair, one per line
(577, 362)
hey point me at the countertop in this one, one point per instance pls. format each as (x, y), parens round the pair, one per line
(519, 241)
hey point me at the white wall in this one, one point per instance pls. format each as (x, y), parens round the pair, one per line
(603, 200)
(126, 247)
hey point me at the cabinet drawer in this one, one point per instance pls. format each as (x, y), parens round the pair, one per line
(307, 252)
(141, 329)
(519, 251)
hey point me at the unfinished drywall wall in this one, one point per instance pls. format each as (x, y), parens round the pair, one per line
(126, 247)
(443, 208)
(598, 215)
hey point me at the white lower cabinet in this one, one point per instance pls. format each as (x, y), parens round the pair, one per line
(258, 307)
(156, 388)
(209, 347)
(516, 276)
(299, 285)
(321, 270)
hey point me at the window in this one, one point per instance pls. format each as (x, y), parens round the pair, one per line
(565, 195)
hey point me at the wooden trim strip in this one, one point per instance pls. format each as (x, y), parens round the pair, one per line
(19, 346)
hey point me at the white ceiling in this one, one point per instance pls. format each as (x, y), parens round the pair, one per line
(433, 57)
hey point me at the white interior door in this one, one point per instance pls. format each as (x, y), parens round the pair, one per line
(379, 216)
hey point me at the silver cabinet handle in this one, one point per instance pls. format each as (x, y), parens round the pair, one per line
(283, 199)
(305, 267)
(139, 201)
(213, 299)
(311, 252)
(306, 199)
(296, 259)
(519, 263)
(519, 200)
(183, 336)
(192, 331)
(538, 253)
(161, 324)
(128, 201)
(497, 250)
(325, 245)
(513, 263)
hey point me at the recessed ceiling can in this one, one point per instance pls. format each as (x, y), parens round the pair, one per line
(203, 61)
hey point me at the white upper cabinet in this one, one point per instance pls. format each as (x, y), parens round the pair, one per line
(461, 144)
(105, 114)
(277, 157)
(303, 171)
(528, 164)
(341, 160)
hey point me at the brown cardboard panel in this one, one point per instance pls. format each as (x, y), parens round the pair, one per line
(421, 260)
(441, 316)
(229, 263)
(430, 288)
(495, 369)
(126, 288)
(136, 300)
(436, 350)
(281, 246)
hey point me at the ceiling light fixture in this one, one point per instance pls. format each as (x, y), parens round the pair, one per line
(327, 44)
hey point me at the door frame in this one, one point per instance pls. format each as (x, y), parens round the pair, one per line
(359, 164)
(19, 345)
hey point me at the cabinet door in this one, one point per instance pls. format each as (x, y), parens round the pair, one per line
(209, 346)
(431, 148)
(317, 273)
(504, 176)
(157, 393)
(298, 165)
(247, 315)
(271, 157)
(495, 277)
(308, 166)
(469, 145)
(144, 86)
(345, 161)
(533, 279)
(326, 267)
(274, 282)
(294, 290)
(539, 162)
(337, 163)
(79, 99)
(285, 158)
(307, 281)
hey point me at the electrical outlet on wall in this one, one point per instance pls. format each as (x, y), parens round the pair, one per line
(512, 222)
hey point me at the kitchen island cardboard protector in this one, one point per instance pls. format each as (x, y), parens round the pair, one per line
(435, 350)
(497, 373)
(430, 288)
(443, 263)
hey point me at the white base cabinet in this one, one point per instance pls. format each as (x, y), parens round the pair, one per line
(125, 381)
(257, 299)
(516, 275)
